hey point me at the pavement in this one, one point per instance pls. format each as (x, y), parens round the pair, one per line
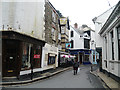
(27, 78)
(66, 79)
(110, 83)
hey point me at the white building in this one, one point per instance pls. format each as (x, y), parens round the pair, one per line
(76, 38)
(96, 39)
(110, 34)
(99, 22)
(80, 44)
(24, 17)
(23, 37)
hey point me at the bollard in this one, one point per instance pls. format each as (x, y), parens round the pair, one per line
(31, 74)
(91, 68)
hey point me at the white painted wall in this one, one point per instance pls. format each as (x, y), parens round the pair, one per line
(100, 21)
(78, 42)
(24, 17)
(49, 49)
(112, 65)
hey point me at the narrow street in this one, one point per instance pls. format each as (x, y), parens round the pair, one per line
(67, 80)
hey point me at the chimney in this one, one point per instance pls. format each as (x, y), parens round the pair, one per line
(75, 25)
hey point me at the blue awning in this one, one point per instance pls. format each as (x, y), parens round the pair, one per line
(76, 51)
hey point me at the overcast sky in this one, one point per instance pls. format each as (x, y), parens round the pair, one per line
(82, 11)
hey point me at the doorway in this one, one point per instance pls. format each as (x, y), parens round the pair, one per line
(10, 57)
(81, 57)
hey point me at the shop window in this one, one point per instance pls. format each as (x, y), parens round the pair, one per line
(37, 57)
(51, 59)
(86, 58)
(25, 56)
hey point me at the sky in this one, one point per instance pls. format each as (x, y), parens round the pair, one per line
(82, 11)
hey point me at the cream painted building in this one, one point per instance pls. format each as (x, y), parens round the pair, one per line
(110, 33)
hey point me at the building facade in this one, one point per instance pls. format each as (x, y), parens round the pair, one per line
(52, 37)
(23, 37)
(64, 26)
(110, 33)
(96, 39)
(80, 44)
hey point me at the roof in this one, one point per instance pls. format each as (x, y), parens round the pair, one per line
(75, 30)
(95, 18)
(113, 15)
(53, 8)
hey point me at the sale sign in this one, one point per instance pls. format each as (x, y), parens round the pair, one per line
(36, 56)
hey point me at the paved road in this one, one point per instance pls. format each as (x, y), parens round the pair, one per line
(67, 80)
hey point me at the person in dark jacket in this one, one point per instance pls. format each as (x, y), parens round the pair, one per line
(75, 66)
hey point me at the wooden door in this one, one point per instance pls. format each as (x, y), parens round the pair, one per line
(10, 58)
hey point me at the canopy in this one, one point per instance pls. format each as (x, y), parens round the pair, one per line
(67, 56)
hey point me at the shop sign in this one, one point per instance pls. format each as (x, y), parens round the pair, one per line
(68, 45)
(10, 70)
(36, 56)
(63, 21)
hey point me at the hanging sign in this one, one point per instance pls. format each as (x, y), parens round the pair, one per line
(68, 45)
(36, 56)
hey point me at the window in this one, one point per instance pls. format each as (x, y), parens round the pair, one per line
(53, 16)
(53, 33)
(26, 56)
(86, 58)
(112, 45)
(106, 64)
(37, 57)
(106, 46)
(119, 42)
(87, 43)
(72, 34)
(72, 44)
(59, 36)
(51, 59)
(62, 30)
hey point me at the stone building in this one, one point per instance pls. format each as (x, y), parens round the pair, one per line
(52, 37)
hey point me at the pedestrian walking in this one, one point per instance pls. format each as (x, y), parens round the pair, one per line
(75, 66)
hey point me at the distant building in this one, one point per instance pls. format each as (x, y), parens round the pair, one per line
(110, 34)
(80, 43)
(64, 26)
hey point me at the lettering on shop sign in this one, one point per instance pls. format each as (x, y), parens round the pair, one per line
(36, 56)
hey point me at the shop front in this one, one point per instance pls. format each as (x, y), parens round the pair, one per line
(50, 57)
(19, 52)
(83, 55)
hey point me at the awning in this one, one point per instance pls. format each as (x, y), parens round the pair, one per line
(76, 51)
(67, 56)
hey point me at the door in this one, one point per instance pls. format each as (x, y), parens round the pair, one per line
(10, 58)
(80, 58)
